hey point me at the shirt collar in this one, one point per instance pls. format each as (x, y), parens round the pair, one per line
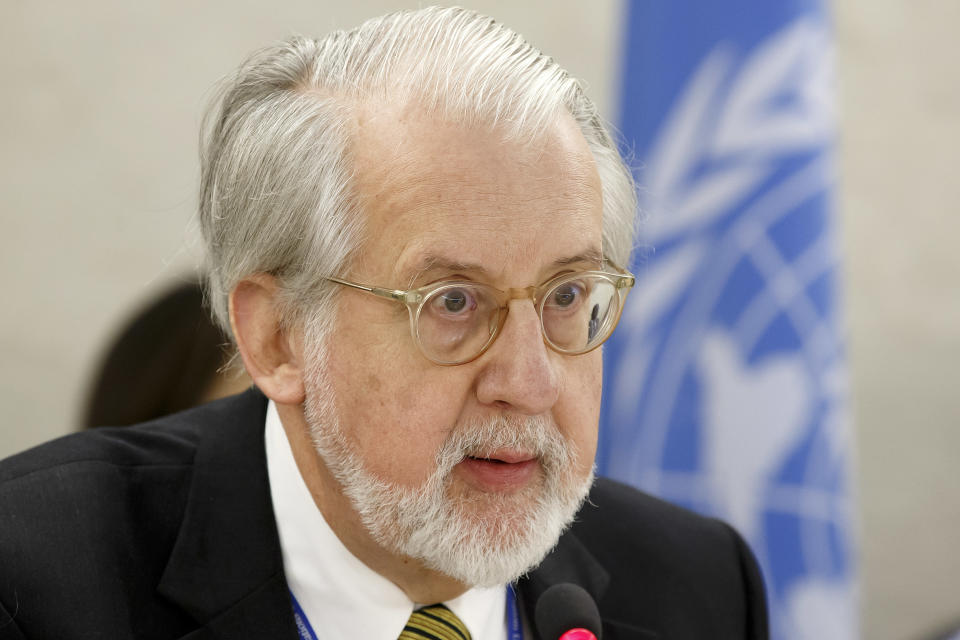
(340, 595)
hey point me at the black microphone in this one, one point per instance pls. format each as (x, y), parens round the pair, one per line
(566, 611)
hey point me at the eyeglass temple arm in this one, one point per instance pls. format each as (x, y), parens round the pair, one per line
(405, 297)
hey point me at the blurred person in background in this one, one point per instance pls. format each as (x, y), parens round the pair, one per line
(167, 357)
(415, 233)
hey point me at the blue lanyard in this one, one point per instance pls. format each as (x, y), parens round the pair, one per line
(514, 626)
(300, 618)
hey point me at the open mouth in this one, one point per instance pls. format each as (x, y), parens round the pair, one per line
(493, 460)
(506, 456)
(501, 471)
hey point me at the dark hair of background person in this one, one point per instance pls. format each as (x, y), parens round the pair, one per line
(168, 357)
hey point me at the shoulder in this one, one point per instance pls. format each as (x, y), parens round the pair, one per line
(665, 562)
(105, 482)
(87, 487)
(615, 511)
(89, 515)
(100, 455)
(167, 442)
(102, 476)
(620, 524)
(150, 444)
(88, 521)
(626, 529)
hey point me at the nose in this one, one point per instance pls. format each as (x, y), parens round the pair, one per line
(519, 370)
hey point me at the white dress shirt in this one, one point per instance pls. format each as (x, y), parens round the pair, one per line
(340, 595)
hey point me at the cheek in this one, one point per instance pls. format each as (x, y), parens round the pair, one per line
(578, 411)
(395, 413)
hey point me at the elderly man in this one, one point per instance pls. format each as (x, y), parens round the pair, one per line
(416, 233)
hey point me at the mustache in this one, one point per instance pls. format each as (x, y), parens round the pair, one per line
(538, 436)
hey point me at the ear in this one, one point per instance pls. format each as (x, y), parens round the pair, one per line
(269, 354)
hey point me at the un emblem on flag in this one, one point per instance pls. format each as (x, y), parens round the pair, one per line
(726, 382)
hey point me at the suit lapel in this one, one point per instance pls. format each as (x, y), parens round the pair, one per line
(570, 561)
(226, 569)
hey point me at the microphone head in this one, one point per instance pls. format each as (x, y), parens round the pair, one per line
(564, 608)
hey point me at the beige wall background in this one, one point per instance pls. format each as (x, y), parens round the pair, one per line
(900, 127)
(98, 128)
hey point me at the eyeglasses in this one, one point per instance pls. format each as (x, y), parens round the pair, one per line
(454, 322)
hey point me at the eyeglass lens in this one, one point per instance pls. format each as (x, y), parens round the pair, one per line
(456, 322)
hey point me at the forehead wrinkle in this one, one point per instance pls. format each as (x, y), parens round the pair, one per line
(409, 273)
(398, 173)
(487, 203)
(512, 235)
(389, 181)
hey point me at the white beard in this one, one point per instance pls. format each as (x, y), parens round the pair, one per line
(479, 539)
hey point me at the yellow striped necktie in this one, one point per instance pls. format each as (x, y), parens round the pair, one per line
(435, 622)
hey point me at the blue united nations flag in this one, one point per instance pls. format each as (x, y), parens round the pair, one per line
(726, 381)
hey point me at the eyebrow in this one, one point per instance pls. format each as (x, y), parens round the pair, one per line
(431, 262)
(591, 256)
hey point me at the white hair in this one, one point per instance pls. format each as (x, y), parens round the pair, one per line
(276, 179)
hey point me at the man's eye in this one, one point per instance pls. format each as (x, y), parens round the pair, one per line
(566, 295)
(454, 302)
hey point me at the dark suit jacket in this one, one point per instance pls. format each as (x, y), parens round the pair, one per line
(166, 530)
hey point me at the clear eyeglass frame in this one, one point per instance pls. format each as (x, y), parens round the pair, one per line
(619, 279)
